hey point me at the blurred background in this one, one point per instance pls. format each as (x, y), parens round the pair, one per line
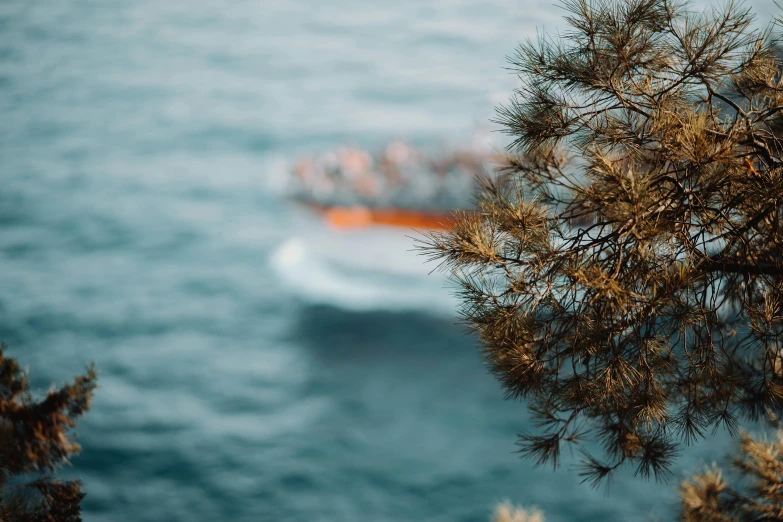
(256, 363)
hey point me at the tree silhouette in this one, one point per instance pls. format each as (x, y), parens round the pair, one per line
(624, 271)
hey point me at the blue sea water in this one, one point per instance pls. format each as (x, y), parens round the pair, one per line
(255, 365)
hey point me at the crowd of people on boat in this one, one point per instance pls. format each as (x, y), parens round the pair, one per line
(400, 177)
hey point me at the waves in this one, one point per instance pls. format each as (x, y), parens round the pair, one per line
(373, 269)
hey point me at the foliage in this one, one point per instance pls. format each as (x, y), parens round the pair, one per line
(507, 512)
(624, 272)
(34, 442)
(757, 493)
(709, 497)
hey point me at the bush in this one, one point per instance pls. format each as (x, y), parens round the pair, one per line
(34, 442)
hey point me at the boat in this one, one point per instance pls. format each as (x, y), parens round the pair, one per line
(401, 187)
(356, 219)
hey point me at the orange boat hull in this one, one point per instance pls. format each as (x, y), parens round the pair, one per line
(363, 217)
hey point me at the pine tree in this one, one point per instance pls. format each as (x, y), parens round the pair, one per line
(34, 442)
(624, 270)
(757, 493)
(752, 493)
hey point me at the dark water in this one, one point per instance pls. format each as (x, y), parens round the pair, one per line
(255, 365)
